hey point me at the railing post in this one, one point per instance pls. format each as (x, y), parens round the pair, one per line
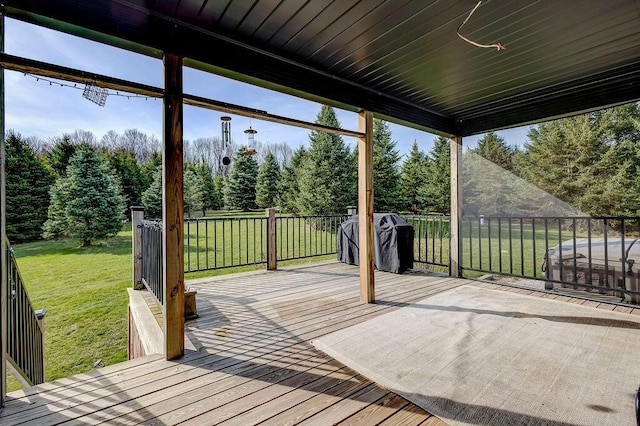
(137, 215)
(3, 244)
(455, 252)
(40, 314)
(272, 259)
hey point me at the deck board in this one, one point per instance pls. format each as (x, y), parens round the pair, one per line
(250, 359)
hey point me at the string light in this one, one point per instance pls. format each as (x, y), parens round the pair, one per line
(75, 86)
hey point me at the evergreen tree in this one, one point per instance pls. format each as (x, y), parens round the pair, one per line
(386, 178)
(125, 166)
(149, 167)
(564, 157)
(28, 183)
(288, 186)
(87, 204)
(435, 193)
(206, 188)
(240, 188)
(218, 187)
(326, 177)
(412, 177)
(152, 196)
(493, 148)
(60, 155)
(487, 179)
(191, 192)
(267, 182)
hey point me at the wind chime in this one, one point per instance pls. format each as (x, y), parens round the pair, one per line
(226, 136)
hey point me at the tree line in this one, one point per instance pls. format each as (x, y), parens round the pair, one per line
(81, 186)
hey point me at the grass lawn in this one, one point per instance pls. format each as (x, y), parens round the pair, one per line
(84, 293)
(84, 289)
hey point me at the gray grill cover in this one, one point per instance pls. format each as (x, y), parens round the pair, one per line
(392, 241)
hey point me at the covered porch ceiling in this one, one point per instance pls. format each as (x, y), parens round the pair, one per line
(403, 60)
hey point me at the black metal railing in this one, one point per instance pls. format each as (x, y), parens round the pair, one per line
(307, 236)
(590, 253)
(431, 239)
(25, 338)
(152, 258)
(217, 243)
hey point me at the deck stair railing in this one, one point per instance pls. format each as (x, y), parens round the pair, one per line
(25, 328)
(152, 258)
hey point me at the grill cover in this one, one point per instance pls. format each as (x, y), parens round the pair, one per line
(392, 242)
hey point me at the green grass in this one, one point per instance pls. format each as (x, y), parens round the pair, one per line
(228, 241)
(84, 293)
(84, 289)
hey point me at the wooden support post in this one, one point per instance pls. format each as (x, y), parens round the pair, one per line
(272, 259)
(455, 251)
(3, 244)
(173, 208)
(137, 215)
(365, 206)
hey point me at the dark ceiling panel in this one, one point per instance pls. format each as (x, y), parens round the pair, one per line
(303, 17)
(212, 11)
(400, 58)
(353, 18)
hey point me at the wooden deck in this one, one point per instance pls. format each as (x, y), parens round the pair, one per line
(249, 359)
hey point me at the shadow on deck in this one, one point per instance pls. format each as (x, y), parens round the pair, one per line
(250, 358)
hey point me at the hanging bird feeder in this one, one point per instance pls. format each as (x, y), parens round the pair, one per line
(250, 132)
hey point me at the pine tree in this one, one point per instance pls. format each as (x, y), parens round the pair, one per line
(206, 188)
(152, 196)
(267, 182)
(28, 184)
(218, 187)
(149, 167)
(435, 193)
(493, 148)
(191, 193)
(412, 177)
(326, 177)
(87, 204)
(126, 168)
(386, 178)
(240, 188)
(488, 179)
(564, 157)
(60, 155)
(288, 186)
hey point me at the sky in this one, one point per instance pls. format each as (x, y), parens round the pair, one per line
(38, 108)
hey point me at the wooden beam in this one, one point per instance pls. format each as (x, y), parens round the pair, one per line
(263, 115)
(43, 69)
(173, 208)
(365, 206)
(3, 251)
(456, 207)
